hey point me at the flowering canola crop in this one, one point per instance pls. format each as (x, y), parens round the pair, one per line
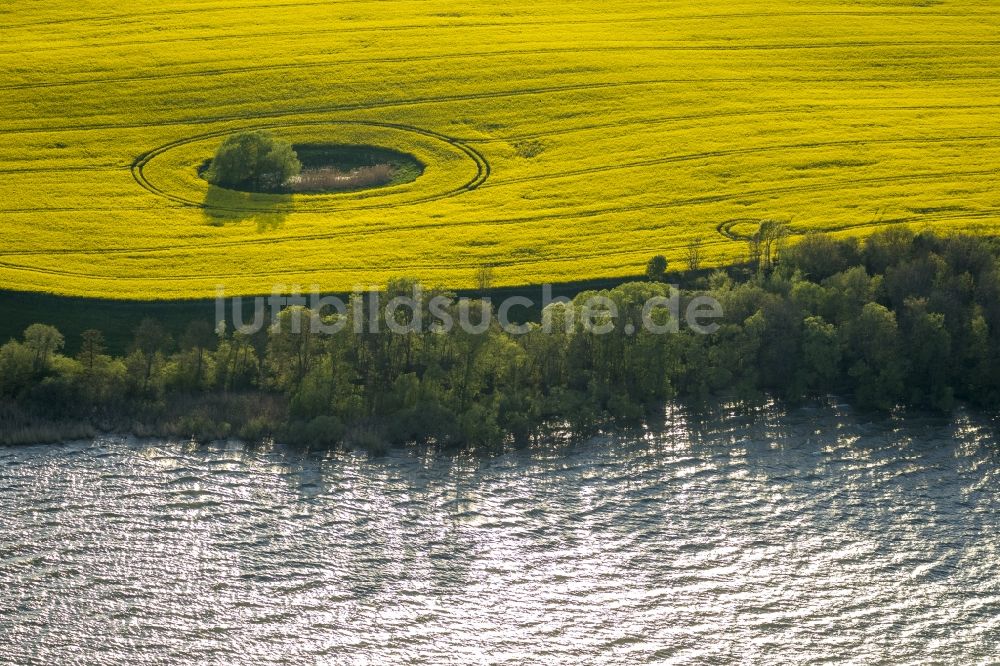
(561, 140)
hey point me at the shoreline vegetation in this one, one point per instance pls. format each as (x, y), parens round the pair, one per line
(900, 319)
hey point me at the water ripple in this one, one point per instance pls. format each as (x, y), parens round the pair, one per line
(802, 537)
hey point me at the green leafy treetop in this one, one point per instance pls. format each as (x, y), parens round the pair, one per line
(656, 269)
(254, 161)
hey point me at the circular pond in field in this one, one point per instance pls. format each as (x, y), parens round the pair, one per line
(347, 165)
(329, 168)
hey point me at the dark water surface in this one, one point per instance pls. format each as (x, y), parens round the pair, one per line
(788, 538)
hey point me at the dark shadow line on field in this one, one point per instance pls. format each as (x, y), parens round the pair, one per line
(481, 55)
(357, 232)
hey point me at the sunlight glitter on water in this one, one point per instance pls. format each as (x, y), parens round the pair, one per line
(785, 538)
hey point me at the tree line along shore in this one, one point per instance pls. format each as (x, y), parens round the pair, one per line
(899, 319)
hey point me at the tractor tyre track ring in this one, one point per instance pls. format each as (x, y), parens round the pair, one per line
(725, 229)
(483, 169)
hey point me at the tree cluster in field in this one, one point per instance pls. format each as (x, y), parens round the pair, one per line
(900, 319)
(258, 161)
(253, 161)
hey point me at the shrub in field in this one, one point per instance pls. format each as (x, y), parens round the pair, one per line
(255, 161)
(656, 268)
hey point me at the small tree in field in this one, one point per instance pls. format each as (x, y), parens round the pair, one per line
(255, 161)
(656, 269)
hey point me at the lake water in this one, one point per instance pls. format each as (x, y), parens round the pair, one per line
(783, 538)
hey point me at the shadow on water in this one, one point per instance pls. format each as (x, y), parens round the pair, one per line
(267, 211)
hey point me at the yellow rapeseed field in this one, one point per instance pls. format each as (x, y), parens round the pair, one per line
(562, 140)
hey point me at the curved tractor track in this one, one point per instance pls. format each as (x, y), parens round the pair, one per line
(483, 169)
